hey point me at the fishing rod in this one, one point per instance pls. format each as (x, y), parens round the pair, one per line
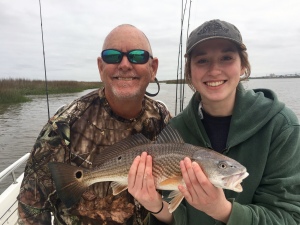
(179, 62)
(187, 35)
(44, 59)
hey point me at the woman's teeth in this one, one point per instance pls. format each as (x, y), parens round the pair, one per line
(215, 84)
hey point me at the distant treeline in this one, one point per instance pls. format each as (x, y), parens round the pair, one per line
(17, 90)
(179, 81)
(276, 77)
(182, 81)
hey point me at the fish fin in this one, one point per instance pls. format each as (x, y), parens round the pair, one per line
(118, 187)
(120, 147)
(238, 188)
(171, 181)
(169, 135)
(176, 200)
(68, 181)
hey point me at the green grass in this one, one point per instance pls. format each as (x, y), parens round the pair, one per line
(16, 90)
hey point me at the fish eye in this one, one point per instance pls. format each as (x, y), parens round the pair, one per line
(78, 174)
(222, 165)
(119, 158)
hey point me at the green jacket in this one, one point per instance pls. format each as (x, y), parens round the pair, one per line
(264, 136)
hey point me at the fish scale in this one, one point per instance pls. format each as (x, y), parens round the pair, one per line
(167, 151)
(172, 153)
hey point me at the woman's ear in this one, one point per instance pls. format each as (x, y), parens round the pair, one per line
(243, 70)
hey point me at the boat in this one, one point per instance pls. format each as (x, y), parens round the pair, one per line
(8, 199)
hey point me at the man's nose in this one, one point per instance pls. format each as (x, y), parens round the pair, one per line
(125, 64)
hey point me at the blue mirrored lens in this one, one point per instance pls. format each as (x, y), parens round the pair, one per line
(113, 56)
(138, 56)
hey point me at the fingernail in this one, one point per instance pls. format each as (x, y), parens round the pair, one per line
(194, 164)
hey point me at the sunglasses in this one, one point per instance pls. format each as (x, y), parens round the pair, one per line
(136, 56)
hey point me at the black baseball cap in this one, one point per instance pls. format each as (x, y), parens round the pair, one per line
(214, 29)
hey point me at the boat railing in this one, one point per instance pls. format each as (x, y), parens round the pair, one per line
(8, 199)
(11, 169)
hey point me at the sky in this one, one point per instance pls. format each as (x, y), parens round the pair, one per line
(74, 31)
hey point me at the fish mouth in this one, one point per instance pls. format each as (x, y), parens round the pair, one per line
(233, 182)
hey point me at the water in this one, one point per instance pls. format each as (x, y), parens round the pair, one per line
(20, 124)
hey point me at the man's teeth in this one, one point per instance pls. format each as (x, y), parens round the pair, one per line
(125, 78)
(214, 84)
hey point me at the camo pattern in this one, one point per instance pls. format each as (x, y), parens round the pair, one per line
(74, 135)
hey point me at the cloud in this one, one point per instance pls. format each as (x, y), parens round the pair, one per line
(74, 32)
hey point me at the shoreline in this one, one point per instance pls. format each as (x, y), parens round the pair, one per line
(14, 91)
(180, 81)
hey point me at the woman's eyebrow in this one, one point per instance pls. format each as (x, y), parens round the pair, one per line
(229, 49)
(225, 50)
(199, 53)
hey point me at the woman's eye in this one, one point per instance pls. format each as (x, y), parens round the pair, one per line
(226, 58)
(202, 61)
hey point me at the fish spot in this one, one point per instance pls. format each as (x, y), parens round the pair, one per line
(78, 174)
(119, 158)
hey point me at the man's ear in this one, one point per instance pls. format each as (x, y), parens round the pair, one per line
(154, 67)
(100, 65)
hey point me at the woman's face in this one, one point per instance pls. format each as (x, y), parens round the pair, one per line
(216, 70)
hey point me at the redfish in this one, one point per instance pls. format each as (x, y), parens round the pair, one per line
(167, 151)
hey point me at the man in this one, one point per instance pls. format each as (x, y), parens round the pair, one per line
(83, 129)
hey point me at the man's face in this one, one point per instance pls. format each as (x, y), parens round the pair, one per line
(125, 80)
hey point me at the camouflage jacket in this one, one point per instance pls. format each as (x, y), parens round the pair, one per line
(74, 135)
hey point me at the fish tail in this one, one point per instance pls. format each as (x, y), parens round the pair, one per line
(68, 181)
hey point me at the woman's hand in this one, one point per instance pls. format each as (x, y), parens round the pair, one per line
(202, 194)
(141, 183)
(141, 186)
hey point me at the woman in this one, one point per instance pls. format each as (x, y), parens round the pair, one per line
(252, 127)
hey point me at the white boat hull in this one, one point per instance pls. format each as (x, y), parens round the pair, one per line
(9, 203)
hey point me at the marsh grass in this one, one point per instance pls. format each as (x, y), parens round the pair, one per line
(16, 90)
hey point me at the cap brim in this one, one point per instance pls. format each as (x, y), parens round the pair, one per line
(240, 45)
